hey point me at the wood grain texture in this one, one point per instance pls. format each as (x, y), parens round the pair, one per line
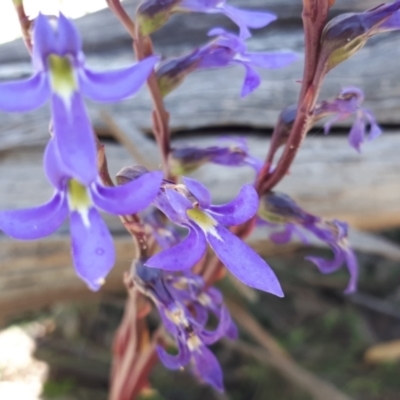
(328, 177)
(211, 98)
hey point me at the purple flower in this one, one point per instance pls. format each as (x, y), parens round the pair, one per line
(189, 205)
(235, 153)
(184, 306)
(225, 50)
(153, 14)
(92, 245)
(279, 210)
(348, 103)
(61, 77)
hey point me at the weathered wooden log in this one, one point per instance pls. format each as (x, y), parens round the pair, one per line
(328, 177)
(211, 98)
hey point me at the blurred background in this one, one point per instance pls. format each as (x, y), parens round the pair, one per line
(56, 334)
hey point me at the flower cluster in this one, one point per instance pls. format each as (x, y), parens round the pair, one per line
(185, 305)
(177, 212)
(279, 210)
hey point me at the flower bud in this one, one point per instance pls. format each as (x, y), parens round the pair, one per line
(154, 14)
(279, 208)
(172, 73)
(344, 35)
(184, 161)
(128, 174)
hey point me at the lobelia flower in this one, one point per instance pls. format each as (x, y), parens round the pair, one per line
(189, 205)
(278, 209)
(61, 77)
(153, 14)
(92, 246)
(185, 160)
(348, 103)
(174, 295)
(225, 50)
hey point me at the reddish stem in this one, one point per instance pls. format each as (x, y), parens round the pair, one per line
(315, 13)
(143, 48)
(25, 24)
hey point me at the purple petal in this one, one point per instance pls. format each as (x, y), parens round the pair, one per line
(44, 40)
(178, 201)
(35, 223)
(201, 314)
(54, 169)
(207, 368)
(92, 248)
(282, 237)
(129, 198)
(199, 191)
(329, 124)
(251, 82)
(243, 262)
(69, 41)
(75, 138)
(327, 266)
(182, 256)
(116, 85)
(248, 19)
(352, 266)
(170, 326)
(357, 132)
(271, 60)
(174, 362)
(25, 95)
(210, 337)
(238, 210)
(374, 130)
(232, 333)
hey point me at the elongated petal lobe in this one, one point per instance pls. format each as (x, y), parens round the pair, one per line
(174, 362)
(272, 60)
(92, 248)
(74, 138)
(35, 223)
(53, 167)
(243, 262)
(248, 19)
(251, 82)
(182, 256)
(178, 201)
(24, 95)
(129, 198)
(69, 41)
(116, 85)
(44, 39)
(238, 210)
(199, 191)
(208, 368)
